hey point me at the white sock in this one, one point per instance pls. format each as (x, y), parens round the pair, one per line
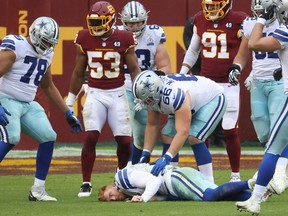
(207, 171)
(87, 183)
(39, 182)
(258, 192)
(235, 174)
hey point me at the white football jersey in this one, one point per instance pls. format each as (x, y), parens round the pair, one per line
(137, 180)
(145, 49)
(281, 35)
(264, 63)
(21, 81)
(201, 90)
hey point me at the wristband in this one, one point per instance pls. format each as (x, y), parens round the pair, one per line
(261, 20)
(70, 99)
(240, 66)
(169, 154)
(146, 150)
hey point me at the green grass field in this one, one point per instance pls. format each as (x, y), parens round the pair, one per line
(14, 199)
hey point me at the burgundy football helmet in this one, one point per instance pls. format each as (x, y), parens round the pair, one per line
(216, 9)
(101, 18)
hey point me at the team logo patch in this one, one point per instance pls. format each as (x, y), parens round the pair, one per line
(117, 44)
(150, 42)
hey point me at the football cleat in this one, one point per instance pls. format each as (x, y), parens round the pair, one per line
(39, 194)
(278, 182)
(235, 178)
(249, 205)
(85, 190)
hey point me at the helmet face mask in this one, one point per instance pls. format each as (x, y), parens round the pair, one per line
(216, 9)
(282, 11)
(44, 35)
(101, 18)
(147, 88)
(257, 6)
(134, 12)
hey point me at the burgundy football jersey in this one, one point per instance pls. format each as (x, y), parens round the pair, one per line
(219, 43)
(105, 57)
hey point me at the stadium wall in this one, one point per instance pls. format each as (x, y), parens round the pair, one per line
(17, 16)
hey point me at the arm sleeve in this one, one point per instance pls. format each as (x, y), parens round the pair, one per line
(145, 180)
(192, 53)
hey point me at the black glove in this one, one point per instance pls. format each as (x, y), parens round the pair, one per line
(277, 74)
(268, 13)
(234, 72)
(73, 122)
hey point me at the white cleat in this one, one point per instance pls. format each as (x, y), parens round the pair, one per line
(39, 194)
(250, 206)
(278, 183)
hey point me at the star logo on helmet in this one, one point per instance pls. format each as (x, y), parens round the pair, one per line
(147, 84)
(42, 24)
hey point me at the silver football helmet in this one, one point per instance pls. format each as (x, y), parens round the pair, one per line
(44, 34)
(257, 6)
(134, 11)
(147, 88)
(282, 12)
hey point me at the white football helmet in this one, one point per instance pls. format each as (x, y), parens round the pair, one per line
(257, 6)
(147, 87)
(282, 12)
(44, 35)
(133, 11)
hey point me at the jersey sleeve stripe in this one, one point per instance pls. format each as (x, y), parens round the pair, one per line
(123, 178)
(179, 99)
(280, 35)
(8, 44)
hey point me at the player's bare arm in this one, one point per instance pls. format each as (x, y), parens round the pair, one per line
(7, 58)
(183, 118)
(243, 54)
(162, 59)
(77, 77)
(263, 44)
(151, 131)
(52, 92)
(132, 62)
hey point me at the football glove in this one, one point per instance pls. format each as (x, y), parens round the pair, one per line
(73, 122)
(160, 164)
(277, 74)
(3, 118)
(234, 72)
(138, 105)
(145, 157)
(248, 82)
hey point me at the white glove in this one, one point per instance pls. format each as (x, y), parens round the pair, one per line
(248, 82)
(138, 105)
(70, 101)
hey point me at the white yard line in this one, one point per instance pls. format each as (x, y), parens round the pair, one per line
(70, 151)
